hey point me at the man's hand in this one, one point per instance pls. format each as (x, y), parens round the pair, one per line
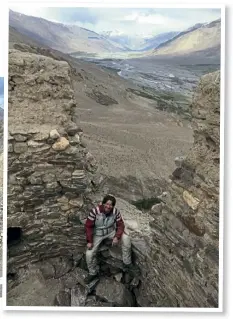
(89, 246)
(115, 241)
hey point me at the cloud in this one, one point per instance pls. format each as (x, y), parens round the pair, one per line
(157, 19)
(130, 21)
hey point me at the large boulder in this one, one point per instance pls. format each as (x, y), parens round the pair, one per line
(114, 292)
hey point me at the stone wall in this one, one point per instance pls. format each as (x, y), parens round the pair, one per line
(183, 266)
(50, 188)
(49, 169)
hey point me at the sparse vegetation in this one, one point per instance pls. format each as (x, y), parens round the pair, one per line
(101, 98)
(174, 102)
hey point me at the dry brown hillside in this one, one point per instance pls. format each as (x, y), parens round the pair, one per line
(61, 37)
(134, 143)
(205, 39)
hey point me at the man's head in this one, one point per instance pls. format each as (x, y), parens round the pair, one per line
(109, 201)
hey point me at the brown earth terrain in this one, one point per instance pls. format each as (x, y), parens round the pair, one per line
(130, 138)
(134, 140)
(134, 143)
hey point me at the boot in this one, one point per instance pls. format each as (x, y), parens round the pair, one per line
(90, 278)
(133, 270)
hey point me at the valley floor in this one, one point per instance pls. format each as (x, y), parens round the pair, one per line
(134, 139)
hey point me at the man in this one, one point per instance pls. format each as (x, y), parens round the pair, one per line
(105, 221)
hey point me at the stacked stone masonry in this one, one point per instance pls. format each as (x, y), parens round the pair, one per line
(49, 170)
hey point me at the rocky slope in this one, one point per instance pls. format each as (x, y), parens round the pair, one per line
(183, 267)
(154, 42)
(53, 182)
(204, 40)
(61, 37)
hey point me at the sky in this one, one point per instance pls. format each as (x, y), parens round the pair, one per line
(132, 22)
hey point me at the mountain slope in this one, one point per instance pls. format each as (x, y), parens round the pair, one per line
(65, 38)
(138, 43)
(16, 37)
(205, 38)
(131, 43)
(152, 43)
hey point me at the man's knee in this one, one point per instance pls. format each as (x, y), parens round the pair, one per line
(126, 240)
(89, 253)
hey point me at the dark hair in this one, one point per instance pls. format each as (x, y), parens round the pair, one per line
(109, 197)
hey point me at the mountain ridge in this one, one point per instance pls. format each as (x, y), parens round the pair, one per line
(61, 37)
(201, 37)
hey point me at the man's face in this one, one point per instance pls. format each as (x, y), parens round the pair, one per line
(108, 206)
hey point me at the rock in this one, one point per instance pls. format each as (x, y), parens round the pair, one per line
(20, 138)
(163, 196)
(63, 299)
(49, 178)
(62, 265)
(76, 202)
(54, 134)
(37, 147)
(78, 174)
(92, 302)
(179, 160)
(116, 252)
(71, 279)
(91, 286)
(32, 289)
(77, 256)
(89, 157)
(81, 275)
(78, 296)
(118, 276)
(135, 282)
(114, 292)
(75, 140)
(10, 148)
(115, 263)
(47, 270)
(190, 200)
(141, 298)
(20, 147)
(157, 208)
(72, 129)
(41, 136)
(61, 144)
